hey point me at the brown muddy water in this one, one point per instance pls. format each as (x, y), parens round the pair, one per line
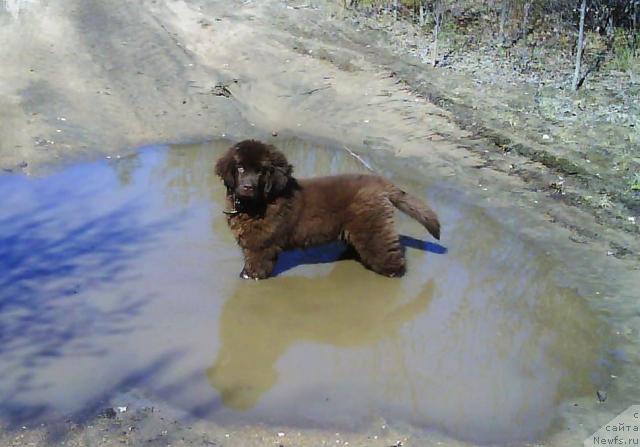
(122, 274)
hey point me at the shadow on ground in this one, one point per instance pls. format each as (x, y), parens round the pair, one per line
(337, 251)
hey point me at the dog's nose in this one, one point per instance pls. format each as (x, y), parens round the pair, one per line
(247, 188)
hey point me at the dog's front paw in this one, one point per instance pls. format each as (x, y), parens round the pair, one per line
(244, 274)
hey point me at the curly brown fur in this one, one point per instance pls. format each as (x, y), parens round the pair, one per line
(269, 211)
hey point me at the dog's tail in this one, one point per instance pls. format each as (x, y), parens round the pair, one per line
(417, 209)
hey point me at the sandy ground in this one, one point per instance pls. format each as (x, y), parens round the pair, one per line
(81, 79)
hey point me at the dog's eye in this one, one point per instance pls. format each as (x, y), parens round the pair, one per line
(240, 169)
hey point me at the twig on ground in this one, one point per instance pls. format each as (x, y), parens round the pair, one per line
(359, 158)
(314, 90)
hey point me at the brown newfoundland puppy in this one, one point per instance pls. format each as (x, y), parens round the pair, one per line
(270, 211)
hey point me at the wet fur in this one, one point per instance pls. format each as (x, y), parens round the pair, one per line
(288, 213)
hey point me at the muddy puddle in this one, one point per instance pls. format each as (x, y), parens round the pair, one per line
(121, 275)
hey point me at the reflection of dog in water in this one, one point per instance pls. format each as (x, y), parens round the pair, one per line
(339, 310)
(270, 211)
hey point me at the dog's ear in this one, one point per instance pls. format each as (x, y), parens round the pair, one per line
(277, 177)
(275, 181)
(226, 169)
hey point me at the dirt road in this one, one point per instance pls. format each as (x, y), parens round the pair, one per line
(81, 77)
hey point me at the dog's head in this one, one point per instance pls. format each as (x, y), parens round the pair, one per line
(254, 171)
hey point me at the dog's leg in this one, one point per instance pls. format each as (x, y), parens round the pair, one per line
(374, 238)
(258, 264)
(385, 257)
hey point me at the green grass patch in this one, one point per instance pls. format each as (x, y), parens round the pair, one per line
(635, 183)
(626, 51)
